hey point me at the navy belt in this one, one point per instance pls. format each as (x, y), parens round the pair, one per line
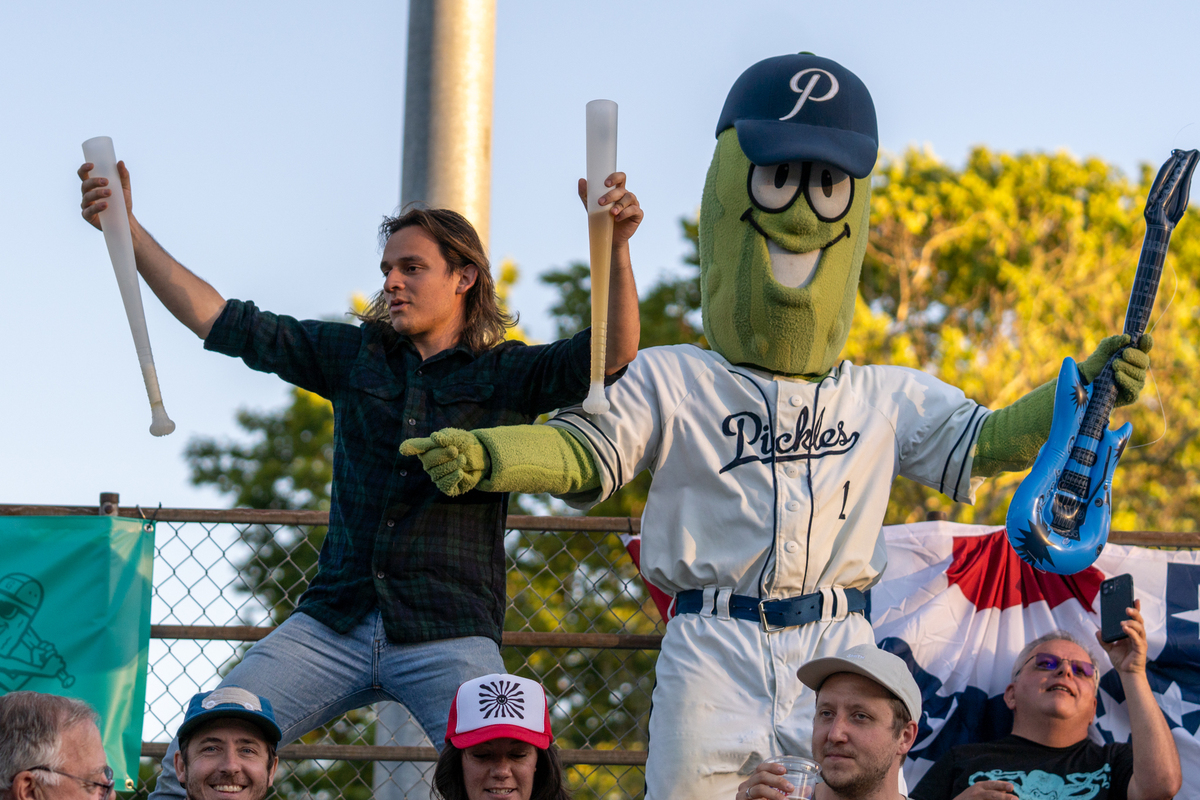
(774, 614)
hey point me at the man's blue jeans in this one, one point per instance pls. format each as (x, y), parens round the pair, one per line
(311, 674)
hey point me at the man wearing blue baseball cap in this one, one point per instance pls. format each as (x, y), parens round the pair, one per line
(227, 746)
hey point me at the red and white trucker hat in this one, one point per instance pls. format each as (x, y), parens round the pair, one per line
(499, 707)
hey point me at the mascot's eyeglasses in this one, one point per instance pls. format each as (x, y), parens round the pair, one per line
(1047, 662)
(105, 789)
(773, 188)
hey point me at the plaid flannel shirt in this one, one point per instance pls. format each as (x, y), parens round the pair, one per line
(434, 565)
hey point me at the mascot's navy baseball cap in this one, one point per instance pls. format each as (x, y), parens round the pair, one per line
(230, 702)
(803, 108)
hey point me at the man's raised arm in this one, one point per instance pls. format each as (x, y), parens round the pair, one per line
(188, 297)
(1156, 770)
(624, 323)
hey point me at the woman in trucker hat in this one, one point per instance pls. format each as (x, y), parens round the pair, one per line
(499, 745)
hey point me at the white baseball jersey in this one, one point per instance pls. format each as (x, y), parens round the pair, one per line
(761, 480)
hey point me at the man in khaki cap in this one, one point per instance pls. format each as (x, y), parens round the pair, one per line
(868, 706)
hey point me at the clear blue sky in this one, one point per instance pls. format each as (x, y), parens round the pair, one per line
(264, 141)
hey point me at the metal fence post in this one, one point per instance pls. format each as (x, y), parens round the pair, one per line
(400, 780)
(108, 503)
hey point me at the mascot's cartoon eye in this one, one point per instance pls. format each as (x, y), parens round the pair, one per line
(829, 191)
(774, 187)
(8, 611)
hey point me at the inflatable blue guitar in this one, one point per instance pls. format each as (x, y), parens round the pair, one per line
(1059, 517)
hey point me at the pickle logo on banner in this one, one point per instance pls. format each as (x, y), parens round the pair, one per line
(75, 620)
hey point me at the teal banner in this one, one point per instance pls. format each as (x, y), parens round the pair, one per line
(75, 620)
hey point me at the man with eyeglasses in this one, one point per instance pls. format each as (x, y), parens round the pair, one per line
(1048, 755)
(50, 749)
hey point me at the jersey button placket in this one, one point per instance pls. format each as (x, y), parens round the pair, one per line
(786, 487)
(793, 525)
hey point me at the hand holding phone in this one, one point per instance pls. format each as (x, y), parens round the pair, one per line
(1116, 595)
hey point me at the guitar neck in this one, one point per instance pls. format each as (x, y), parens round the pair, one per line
(1137, 316)
(1100, 406)
(1165, 206)
(1145, 282)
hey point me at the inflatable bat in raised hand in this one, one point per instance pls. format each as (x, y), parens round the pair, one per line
(1059, 518)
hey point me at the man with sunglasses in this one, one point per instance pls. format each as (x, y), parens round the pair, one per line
(50, 749)
(1048, 754)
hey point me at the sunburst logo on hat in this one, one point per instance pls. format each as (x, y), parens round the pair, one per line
(502, 699)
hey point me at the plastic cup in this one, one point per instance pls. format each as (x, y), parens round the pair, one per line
(802, 773)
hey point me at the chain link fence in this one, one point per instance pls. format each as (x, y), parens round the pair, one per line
(579, 620)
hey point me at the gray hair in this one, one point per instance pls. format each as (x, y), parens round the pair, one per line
(1055, 636)
(33, 725)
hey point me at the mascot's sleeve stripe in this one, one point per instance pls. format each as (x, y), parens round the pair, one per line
(953, 450)
(615, 477)
(963, 464)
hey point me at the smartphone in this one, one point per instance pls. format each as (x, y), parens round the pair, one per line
(1116, 595)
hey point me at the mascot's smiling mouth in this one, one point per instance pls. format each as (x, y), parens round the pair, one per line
(793, 270)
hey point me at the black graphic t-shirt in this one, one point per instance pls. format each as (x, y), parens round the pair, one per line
(1083, 771)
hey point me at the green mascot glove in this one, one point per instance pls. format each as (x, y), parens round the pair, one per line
(454, 459)
(537, 458)
(513, 458)
(1129, 371)
(1012, 436)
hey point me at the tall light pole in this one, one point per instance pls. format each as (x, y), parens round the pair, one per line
(447, 163)
(448, 107)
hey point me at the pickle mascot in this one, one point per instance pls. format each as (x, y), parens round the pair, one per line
(771, 460)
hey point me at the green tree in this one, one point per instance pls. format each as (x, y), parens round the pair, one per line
(990, 275)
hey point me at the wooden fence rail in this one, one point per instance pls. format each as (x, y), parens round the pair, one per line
(631, 525)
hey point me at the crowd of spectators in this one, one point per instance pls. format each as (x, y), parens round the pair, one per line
(499, 743)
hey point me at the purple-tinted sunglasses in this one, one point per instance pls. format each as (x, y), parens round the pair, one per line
(1048, 662)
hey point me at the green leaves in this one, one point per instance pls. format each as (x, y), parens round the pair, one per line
(990, 275)
(670, 309)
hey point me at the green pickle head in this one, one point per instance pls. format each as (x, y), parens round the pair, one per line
(783, 218)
